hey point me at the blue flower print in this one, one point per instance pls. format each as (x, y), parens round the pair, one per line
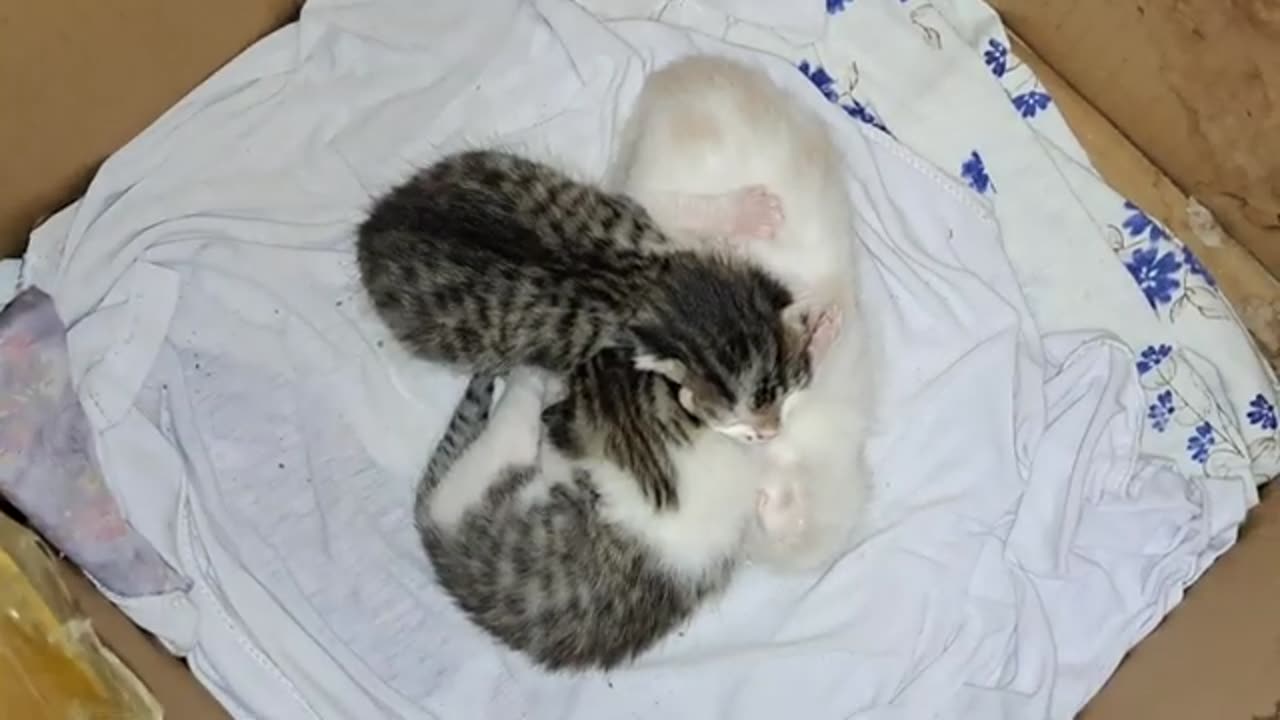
(996, 56)
(975, 171)
(1152, 356)
(1031, 102)
(836, 6)
(1139, 222)
(1156, 274)
(821, 79)
(857, 110)
(1201, 442)
(826, 84)
(1262, 413)
(1161, 411)
(1195, 267)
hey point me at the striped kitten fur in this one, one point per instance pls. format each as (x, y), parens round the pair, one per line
(629, 417)
(564, 560)
(488, 261)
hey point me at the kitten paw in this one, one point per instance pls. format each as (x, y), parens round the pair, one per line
(528, 381)
(781, 512)
(757, 213)
(554, 389)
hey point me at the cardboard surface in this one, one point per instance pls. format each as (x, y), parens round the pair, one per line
(1195, 84)
(167, 677)
(78, 78)
(1217, 655)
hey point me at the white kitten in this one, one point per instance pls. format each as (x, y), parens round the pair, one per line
(717, 152)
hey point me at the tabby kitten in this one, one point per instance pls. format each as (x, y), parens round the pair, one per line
(631, 418)
(490, 261)
(565, 560)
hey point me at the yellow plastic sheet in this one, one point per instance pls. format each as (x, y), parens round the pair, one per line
(52, 665)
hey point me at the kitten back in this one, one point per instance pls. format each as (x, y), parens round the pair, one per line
(488, 261)
(549, 573)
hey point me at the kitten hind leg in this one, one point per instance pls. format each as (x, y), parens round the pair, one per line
(510, 440)
(750, 212)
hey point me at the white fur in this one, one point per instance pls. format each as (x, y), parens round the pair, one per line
(706, 125)
(510, 439)
(704, 128)
(716, 507)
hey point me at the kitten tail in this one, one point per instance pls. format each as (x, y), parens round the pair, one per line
(469, 420)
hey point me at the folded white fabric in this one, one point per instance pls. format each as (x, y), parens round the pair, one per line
(261, 429)
(10, 271)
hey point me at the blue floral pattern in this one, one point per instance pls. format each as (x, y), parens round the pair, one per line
(974, 170)
(1178, 395)
(861, 112)
(1161, 411)
(996, 57)
(1168, 273)
(1138, 222)
(821, 79)
(1152, 356)
(827, 85)
(1262, 413)
(1031, 102)
(1201, 442)
(1194, 267)
(1156, 274)
(1027, 94)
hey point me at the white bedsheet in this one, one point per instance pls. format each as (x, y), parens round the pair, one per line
(265, 434)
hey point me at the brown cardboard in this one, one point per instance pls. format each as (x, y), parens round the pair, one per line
(79, 77)
(166, 677)
(1195, 84)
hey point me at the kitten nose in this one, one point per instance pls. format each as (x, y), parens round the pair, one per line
(765, 433)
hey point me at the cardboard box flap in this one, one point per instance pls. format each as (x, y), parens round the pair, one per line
(81, 77)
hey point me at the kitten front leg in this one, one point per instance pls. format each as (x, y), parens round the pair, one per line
(510, 439)
(782, 511)
(747, 213)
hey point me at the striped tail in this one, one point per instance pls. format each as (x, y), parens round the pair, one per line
(470, 418)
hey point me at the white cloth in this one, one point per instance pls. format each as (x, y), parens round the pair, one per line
(264, 433)
(10, 271)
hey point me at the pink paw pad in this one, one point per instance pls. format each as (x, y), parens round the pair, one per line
(757, 213)
(781, 512)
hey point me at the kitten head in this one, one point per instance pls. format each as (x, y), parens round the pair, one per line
(742, 387)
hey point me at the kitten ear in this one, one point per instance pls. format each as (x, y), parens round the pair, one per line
(817, 325)
(670, 368)
(685, 397)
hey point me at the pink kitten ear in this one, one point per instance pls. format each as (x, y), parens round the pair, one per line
(673, 370)
(818, 325)
(827, 331)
